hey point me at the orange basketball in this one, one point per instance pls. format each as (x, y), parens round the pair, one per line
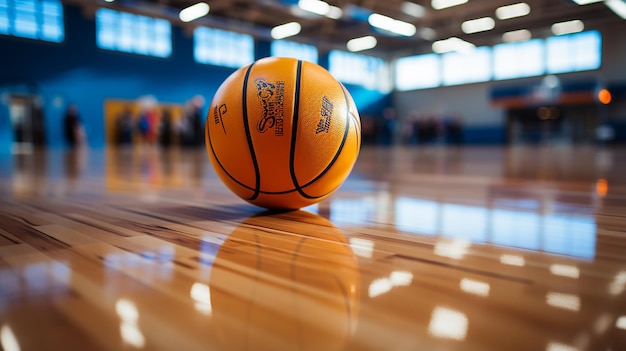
(282, 133)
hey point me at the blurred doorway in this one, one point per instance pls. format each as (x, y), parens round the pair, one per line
(27, 122)
(556, 124)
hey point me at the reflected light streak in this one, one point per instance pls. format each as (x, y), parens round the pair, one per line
(564, 301)
(618, 285)
(565, 270)
(129, 330)
(126, 310)
(201, 294)
(384, 285)
(132, 335)
(621, 323)
(513, 260)
(455, 249)
(401, 278)
(8, 339)
(557, 346)
(362, 247)
(475, 287)
(379, 287)
(448, 324)
(602, 324)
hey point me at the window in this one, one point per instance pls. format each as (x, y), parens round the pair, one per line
(33, 19)
(370, 72)
(284, 48)
(574, 52)
(222, 48)
(418, 72)
(126, 32)
(516, 60)
(467, 67)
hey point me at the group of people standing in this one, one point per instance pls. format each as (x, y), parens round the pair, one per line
(155, 125)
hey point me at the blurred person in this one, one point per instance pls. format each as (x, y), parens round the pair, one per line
(191, 131)
(74, 131)
(388, 127)
(124, 127)
(148, 119)
(166, 129)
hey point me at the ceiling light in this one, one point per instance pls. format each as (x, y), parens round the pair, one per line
(334, 12)
(568, 27)
(585, 2)
(617, 6)
(315, 6)
(428, 33)
(193, 12)
(286, 30)
(413, 9)
(452, 44)
(443, 4)
(363, 43)
(512, 11)
(478, 25)
(516, 35)
(392, 25)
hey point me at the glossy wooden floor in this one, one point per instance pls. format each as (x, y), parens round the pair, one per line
(421, 249)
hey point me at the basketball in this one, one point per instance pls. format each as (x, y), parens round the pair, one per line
(282, 133)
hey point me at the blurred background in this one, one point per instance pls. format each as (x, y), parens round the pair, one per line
(441, 72)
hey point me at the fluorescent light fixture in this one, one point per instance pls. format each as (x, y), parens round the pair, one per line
(568, 27)
(391, 25)
(444, 4)
(512, 11)
(194, 12)
(585, 2)
(413, 9)
(617, 6)
(109, 0)
(516, 35)
(448, 324)
(428, 33)
(314, 6)
(478, 25)
(334, 12)
(360, 44)
(285, 30)
(452, 44)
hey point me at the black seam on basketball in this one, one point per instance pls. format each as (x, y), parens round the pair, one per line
(332, 162)
(244, 101)
(294, 129)
(208, 136)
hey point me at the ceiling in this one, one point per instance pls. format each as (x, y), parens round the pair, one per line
(258, 17)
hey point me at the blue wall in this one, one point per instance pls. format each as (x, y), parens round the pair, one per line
(77, 71)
